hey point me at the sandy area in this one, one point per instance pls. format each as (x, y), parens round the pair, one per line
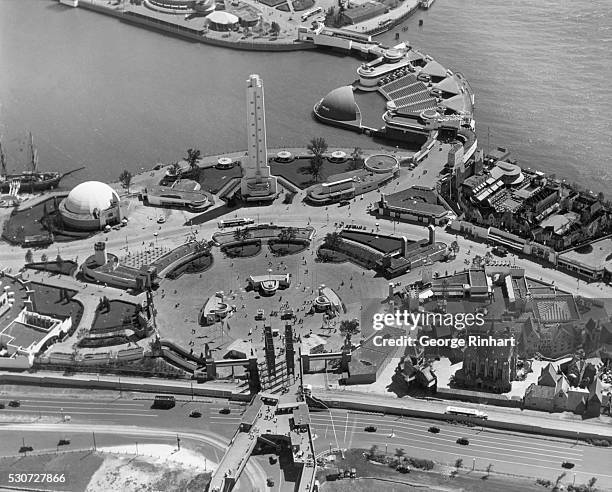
(156, 467)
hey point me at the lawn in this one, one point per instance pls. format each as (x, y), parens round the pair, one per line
(57, 302)
(298, 172)
(284, 248)
(28, 222)
(119, 317)
(384, 244)
(390, 480)
(213, 179)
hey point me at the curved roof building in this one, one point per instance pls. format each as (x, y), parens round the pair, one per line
(90, 205)
(338, 105)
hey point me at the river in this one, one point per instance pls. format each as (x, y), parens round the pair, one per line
(111, 96)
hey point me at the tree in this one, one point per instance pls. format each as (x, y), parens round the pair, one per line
(455, 246)
(558, 480)
(458, 463)
(275, 28)
(175, 168)
(332, 240)
(126, 179)
(318, 146)
(591, 483)
(29, 256)
(399, 452)
(356, 159)
(193, 156)
(43, 257)
(349, 327)
(316, 163)
(489, 467)
(373, 450)
(58, 258)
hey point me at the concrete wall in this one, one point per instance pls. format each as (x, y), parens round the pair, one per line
(122, 384)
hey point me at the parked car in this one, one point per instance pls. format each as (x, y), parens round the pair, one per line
(225, 410)
(463, 441)
(499, 251)
(370, 428)
(272, 460)
(195, 414)
(433, 429)
(344, 203)
(403, 469)
(567, 464)
(14, 403)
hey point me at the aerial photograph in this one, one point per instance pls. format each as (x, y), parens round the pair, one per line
(305, 245)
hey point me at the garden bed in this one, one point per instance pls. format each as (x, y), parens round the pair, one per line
(195, 265)
(57, 303)
(285, 248)
(245, 249)
(63, 267)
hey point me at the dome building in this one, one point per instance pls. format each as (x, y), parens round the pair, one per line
(91, 205)
(338, 105)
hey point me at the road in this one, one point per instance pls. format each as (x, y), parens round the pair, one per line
(130, 420)
(510, 453)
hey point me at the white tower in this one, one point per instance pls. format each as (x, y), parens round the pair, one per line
(257, 183)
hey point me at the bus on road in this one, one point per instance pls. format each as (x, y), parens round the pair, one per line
(466, 412)
(235, 222)
(164, 401)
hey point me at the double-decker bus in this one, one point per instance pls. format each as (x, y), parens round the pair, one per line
(235, 222)
(164, 401)
(466, 412)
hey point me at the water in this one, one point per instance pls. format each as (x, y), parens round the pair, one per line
(112, 96)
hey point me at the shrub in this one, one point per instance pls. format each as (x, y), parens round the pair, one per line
(421, 463)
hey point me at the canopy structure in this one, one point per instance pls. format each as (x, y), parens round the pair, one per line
(455, 103)
(449, 84)
(434, 69)
(221, 18)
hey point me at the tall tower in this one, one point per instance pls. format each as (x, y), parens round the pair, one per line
(257, 183)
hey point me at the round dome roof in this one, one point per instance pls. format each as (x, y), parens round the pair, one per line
(224, 18)
(89, 196)
(339, 105)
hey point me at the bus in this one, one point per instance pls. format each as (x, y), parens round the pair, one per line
(164, 401)
(235, 222)
(466, 412)
(310, 13)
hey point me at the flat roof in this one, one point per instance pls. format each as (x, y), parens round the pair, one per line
(594, 256)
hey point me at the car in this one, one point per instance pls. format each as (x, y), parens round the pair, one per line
(433, 429)
(225, 410)
(14, 403)
(2, 405)
(463, 441)
(499, 251)
(353, 473)
(370, 428)
(161, 220)
(63, 442)
(272, 460)
(344, 203)
(567, 464)
(403, 469)
(195, 414)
